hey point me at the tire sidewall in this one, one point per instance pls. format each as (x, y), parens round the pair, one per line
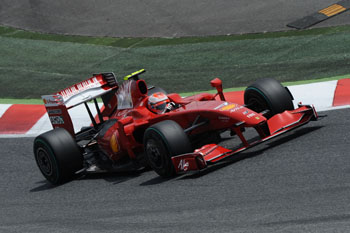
(166, 168)
(62, 152)
(276, 97)
(40, 143)
(172, 141)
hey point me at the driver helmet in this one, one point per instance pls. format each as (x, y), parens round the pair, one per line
(158, 102)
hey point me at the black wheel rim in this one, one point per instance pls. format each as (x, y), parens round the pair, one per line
(44, 162)
(154, 154)
(257, 104)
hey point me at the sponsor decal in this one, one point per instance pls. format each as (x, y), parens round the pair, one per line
(225, 106)
(236, 109)
(258, 118)
(114, 143)
(80, 87)
(183, 165)
(245, 112)
(223, 118)
(52, 100)
(228, 107)
(221, 105)
(56, 120)
(251, 115)
(54, 111)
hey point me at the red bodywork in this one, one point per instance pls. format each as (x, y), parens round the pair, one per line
(128, 106)
(212, 153)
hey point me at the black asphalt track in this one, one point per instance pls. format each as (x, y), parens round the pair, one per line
(299, 182)
(160, 18)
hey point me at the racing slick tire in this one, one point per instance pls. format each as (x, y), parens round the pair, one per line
(268, 94)
(57, 156)
(162, 141)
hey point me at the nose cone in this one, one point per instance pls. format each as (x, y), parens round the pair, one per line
(241, 113)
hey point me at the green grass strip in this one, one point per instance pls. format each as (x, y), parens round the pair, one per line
(35, 64)
(21, 101)
(39, 101)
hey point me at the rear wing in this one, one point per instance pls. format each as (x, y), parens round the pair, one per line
(57, 105)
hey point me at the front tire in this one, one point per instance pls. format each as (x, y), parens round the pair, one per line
(57, 156)
(163, 141)
(268, 94)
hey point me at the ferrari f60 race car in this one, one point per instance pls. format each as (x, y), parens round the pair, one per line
(140, 126)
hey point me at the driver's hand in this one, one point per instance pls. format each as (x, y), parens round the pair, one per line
(171, 106)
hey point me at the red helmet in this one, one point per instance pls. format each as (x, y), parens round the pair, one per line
(158, 102)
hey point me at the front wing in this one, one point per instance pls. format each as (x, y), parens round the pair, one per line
(212, 153)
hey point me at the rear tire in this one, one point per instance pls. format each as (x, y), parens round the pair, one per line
(163, 141)
(268, 94)
(57, 156)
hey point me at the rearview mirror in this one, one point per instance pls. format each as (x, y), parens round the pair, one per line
(217, 83)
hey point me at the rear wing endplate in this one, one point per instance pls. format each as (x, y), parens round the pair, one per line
(58, 112)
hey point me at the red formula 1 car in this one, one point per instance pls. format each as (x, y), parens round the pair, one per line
(140, 126)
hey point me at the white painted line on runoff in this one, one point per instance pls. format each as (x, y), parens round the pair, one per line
(41, 126)
(3, 108)
(321, 94)
(78, 114)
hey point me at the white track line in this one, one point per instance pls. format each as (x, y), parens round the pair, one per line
(3, 108)
(321, 94)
